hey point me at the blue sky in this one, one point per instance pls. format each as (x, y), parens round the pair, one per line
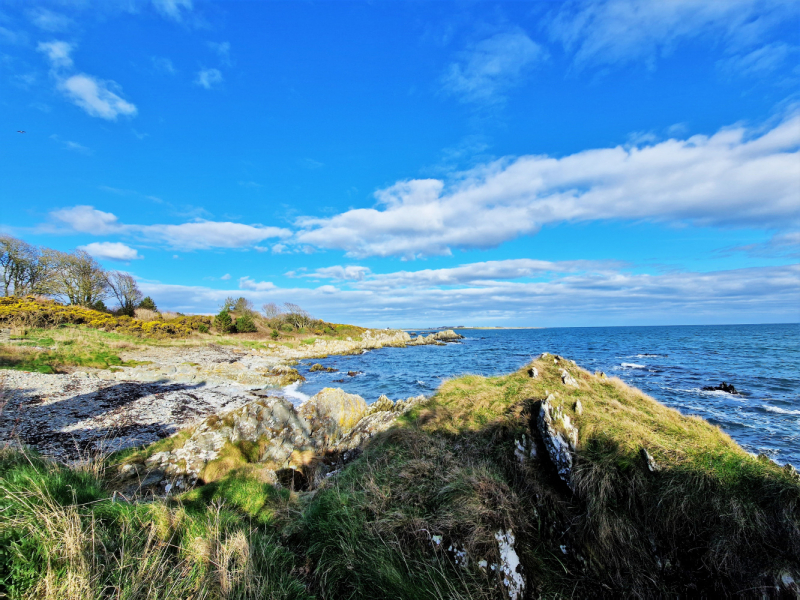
(416, 163)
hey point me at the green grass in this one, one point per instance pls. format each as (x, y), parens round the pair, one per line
(713, 522)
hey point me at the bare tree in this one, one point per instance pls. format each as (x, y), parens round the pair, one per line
(123, 287)
(271, 310)
(77, 277)
(297, 316)
(25, 268)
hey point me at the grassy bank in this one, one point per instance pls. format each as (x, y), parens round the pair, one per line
(421, 512)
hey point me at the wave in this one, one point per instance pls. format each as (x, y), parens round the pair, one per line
(633, 366)
(782, 411)
(650, 356)
(291, 391)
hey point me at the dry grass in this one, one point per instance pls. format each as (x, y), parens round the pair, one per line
(144, 314)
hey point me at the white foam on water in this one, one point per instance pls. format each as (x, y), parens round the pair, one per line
(291, 391)
(633, 366)
(782, 411)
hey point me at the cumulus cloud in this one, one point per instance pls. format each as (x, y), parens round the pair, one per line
(492, 66)
(95, 97)
(607, 32)
(112, 251)
(195, 235)
(87, 219)
(98, 97)
(225, 277)
(736, 177)
(588, 297)
(246, 283)
(208, 78)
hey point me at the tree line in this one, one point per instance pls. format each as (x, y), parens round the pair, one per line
(70, 277)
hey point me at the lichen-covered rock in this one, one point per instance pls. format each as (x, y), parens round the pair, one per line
(560, 438)
(381, 404)
(332, 414)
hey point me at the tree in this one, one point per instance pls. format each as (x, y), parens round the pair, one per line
(148, 303)
(25, 268)
(223, 322)
(297, 316)
(245, 324)
(271, 310)
(77, 277)
(123, 287)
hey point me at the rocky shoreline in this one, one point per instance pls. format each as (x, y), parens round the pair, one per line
(90, 411)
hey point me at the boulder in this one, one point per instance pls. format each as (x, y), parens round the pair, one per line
(332, 414)
(578, 408)
(560, 438)
(447, 335)
(568, 379)
(533, 372)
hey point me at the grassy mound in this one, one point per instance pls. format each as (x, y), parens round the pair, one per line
(433, 509)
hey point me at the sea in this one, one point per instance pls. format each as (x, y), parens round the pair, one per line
(672, 364)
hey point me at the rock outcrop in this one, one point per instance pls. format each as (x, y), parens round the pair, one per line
(560, 438)
(272, 432)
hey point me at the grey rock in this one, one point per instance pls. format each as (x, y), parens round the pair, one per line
(649, 461)
(578, 408)
(533, 372)
(332, 414)
(568, 379)
(560, 438)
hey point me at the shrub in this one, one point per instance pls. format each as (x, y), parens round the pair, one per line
(145, 314)
(223, 322)
(29, 312)
(245, 324)
(148, 304)
(203, 328)
(275, 335)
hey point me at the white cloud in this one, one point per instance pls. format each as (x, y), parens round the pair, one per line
(58, 53)
(112, 251)
(99, 98)
(225, 277)
(246, 283)
(623, 31)
(759, 61)
(195, 235)
(49, 21)
(492, 66)
(173, 9)
(736, 177)
(208, 78)
(200, 234)
(589, 298)
(87, 219)
(94, 96)
(348, 273)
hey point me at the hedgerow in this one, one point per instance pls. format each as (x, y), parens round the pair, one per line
(33, 312)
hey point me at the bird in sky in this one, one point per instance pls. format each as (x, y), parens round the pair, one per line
(18, 131)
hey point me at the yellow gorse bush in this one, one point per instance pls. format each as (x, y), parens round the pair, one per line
(33, 312)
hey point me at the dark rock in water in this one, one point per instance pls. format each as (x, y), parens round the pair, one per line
(353, 373)
(722, 387)
(318, 367)
(338, 381)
